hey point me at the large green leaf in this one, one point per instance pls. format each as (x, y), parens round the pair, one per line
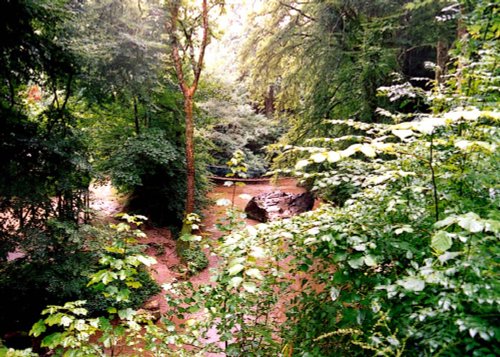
(471, 222)
(441, 241)
(412, 283)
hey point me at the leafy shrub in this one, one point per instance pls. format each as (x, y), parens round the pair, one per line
(188, 245)
(408, 265)
(152, 171)
(235, 126)
(97, 304)
(396, 270)
(52, 277)
(195, 259)
(142, 156)
(67, 328)
(55, 176)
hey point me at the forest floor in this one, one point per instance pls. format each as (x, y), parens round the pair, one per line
(161, 245)
(160, 242)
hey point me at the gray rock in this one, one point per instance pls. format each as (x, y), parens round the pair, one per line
(277, 205)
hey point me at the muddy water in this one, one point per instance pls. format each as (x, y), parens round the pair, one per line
(161, 243)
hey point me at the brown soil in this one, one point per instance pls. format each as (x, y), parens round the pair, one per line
(107, 203)
(160, 243)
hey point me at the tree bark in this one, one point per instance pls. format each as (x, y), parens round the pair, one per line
(188, 91)
(190, 170)
(269, 102)
(441, 59)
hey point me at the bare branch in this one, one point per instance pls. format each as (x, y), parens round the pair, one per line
(298, 10)
(203, 46)
(172, 27)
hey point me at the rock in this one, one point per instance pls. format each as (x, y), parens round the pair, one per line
(151, 309)
(152, 305)
(276, 205)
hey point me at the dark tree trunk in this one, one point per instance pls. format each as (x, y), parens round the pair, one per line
(136, 118)
(269, 102)
(441, 59)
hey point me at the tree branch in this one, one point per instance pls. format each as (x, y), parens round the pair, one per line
(189, 46)
(297, 10)
(174, 13)
(204, 43)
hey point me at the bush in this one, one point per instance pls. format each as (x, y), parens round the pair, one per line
(237, 127)
(195, 259)
(97, 304)
(54, 276)
(152, 170)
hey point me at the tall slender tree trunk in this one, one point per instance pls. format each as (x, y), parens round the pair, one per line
(136, 118)
(190, 170)
(269, 102)
(188, 90)
(441, 59)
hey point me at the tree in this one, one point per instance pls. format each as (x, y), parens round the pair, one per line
(326, 59)
(39, 139)
(187, 23)
(123, 56)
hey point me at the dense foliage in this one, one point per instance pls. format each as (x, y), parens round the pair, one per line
(44, 155)
(407, 265)
(400, 259)
(326, 59)
(231, 124)
(44, 162)
(78, 79)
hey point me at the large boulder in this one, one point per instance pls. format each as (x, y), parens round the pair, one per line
(276, 205)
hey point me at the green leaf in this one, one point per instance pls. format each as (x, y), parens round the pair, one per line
(133, 284)
(235, 269)
(441, 241)
(254, 273)
(492, 225)
(319, 157)
(403, 134)
(147, 261)
(333, 156)
(38, 328)
(334, 293)
(52, 340)
(103, 276)
(370, 261)
(126, 314)
(356, 263)
(368, 150)
(54, 319)
(250, 286)
(80, 311)
(411, 283)
(471, 222)
(66, 320)
(301, 164)
(235, 281)
(445, 222)
(257, 252)
(123, 295)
